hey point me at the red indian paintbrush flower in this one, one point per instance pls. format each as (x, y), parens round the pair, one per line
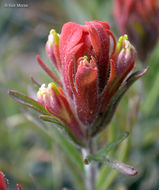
(140, 20)
(93, 74)
(3, 183)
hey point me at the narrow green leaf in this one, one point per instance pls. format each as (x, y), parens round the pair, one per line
(75, 162)
(27, 101)
(73, 156)
(51, 119)
(112, 145)
(121, 167)
(68, 149)
(107, 175)
(101, 155)
(59, 124)
(106, 178)
(78, 177)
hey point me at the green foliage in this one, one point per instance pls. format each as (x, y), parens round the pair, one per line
(102, 154)
(27, 101)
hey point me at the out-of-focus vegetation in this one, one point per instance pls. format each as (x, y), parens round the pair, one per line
(35, 159)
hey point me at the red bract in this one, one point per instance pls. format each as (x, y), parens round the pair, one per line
(54, 100)
(93, 72)
(140, 20)
(3, 183)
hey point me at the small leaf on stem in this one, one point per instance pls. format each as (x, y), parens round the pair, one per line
(100, 155)
(121, 167)
(25, 100)
(51, 119)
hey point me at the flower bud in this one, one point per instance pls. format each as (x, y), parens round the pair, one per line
(52, 46)
(55, 102)
(50, 97)
(140, 20)
(126, 56)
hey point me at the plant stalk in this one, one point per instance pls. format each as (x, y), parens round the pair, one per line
(91, 167)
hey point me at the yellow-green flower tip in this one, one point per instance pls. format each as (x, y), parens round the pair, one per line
(54, 87)
(56, 36)
(120, 42)
(85, 58)
(46, 90)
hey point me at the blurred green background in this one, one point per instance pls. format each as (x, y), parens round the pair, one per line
(32, 158)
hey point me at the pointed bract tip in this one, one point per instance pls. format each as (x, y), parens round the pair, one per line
(19, 187)
(12, 92)
(38, 57)
(122, 167)
(9, 92)
(144, 71)
(141, 73)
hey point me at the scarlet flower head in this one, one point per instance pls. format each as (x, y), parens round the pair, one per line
(140, 20)
(93, 72)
